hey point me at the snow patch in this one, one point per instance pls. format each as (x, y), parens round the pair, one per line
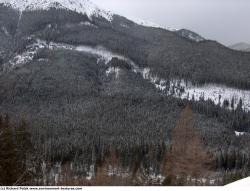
(91, 173)
(150, 24)
(238, 134)
(86, 23)
(23, 58)
(99, 51)
(113, 70)
(116, 171)
(219, 94)
(194, 38)
(156, 179)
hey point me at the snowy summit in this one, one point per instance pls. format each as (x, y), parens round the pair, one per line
(79, 6)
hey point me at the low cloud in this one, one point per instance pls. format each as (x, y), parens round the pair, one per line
(226, 21)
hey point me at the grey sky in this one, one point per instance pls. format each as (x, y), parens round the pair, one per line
(227, 21)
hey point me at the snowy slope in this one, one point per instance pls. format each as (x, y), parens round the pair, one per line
(175, 87)
(186, 90)
(150, 24)
(79, 6)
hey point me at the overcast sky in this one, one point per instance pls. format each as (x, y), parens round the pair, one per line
(227, 21)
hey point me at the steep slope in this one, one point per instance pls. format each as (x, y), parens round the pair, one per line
(155, 48)
(159, 49)
(154, 52)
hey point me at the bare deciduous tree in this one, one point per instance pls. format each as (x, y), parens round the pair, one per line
(187, 157)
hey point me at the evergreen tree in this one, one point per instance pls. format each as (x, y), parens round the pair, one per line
(9, 162)
(15, 146)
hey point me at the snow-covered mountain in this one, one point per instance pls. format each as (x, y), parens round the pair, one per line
(88, 8)
(79, 6)
(85, 84)
(88, 31)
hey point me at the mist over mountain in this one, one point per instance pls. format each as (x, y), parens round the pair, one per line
(225, 21)
(97, 88)
(241, 46)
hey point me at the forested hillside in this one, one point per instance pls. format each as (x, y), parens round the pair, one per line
(85, 100)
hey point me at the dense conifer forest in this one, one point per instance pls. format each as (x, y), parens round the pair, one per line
(72, 118)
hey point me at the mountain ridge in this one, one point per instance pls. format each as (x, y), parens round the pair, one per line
(90, 9)
(152, 47)
(79, 6)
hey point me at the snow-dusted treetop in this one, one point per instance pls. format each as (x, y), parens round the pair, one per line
(79, 6)
(150, 24)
